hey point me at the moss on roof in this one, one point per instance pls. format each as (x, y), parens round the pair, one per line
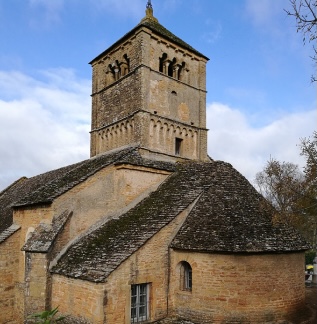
(231, 216)
(228, 217)
(66, 178)
(158, 29)
(44, 235)
(46, 187)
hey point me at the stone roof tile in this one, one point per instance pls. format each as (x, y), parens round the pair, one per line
(44, 235)
(231, 216)
(157, 29)
(99, 253)
(66, 178)
(44, 188)
(228, 217)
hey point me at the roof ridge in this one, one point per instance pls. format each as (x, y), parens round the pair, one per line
(66, 186)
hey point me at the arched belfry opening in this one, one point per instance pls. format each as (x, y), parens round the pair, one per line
(162, 63)
(171, 67)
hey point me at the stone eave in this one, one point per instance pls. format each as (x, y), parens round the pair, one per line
(239, 252)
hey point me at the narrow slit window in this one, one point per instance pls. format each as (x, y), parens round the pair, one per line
(178, 146)
(186, 276)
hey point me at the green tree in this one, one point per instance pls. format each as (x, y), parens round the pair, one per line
(305, 13)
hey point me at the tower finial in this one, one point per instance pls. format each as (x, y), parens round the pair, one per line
(149, 12)
(149, 9)
(149, 5)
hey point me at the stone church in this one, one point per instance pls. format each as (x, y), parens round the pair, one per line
(150, 229)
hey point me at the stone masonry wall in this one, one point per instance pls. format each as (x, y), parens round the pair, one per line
(148, 265)
(187, 65)
(9, 263)
(28, 218)
(227, 287)
(111, 302)
(79, 299)
(105, 194)
(117, 94)
(173, 99)
(148, 73)
(37, 281)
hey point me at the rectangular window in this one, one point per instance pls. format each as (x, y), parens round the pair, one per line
(188, 279)
(139, 303)
(178, 146)
(186, 276)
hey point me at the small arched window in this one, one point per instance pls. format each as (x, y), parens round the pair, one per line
(162, 66)
(186, 276)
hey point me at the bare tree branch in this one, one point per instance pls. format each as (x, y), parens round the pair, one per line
(291, 192)
(305, 13)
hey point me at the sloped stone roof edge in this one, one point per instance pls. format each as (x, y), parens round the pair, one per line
(108, 244)
(8, 232)
(41, 240)
(232, 216)
(59, 190)
(156, 28)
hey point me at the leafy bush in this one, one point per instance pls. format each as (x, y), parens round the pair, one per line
(47, 317)
(309, 257)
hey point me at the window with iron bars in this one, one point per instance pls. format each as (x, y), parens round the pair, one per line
(139, 303)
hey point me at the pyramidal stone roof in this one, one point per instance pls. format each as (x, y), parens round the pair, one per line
(152, 23)
(228, 217)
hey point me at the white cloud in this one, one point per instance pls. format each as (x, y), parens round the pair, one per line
(43, 124)
(232, 138)
(47, 12)
(263, 13)
(213, 33)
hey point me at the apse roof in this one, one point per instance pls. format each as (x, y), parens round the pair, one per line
(229, 216)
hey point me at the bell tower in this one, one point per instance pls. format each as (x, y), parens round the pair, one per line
(149, 88)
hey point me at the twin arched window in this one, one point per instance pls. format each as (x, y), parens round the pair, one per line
(171, 67)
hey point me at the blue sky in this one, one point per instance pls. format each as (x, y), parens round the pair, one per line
(260, 100)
